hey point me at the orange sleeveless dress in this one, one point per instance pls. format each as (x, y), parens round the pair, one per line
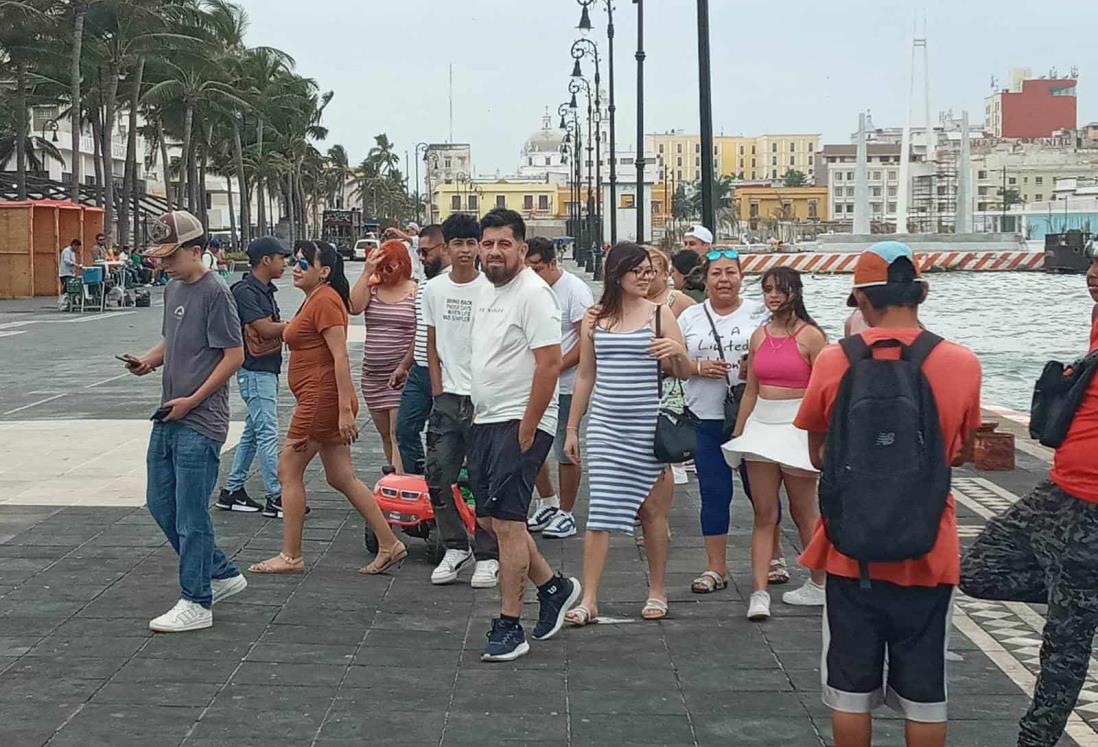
(311, 371)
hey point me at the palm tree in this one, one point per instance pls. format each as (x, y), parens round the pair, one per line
(21, 34)
(382, 154)
(339, 170)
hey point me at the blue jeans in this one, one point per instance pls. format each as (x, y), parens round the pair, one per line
(415, 407)
(259, 390)
(182, 471)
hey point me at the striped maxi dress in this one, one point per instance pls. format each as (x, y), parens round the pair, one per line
(390, 328)
(621, 427)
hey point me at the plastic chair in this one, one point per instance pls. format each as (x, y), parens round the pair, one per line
(94, 288)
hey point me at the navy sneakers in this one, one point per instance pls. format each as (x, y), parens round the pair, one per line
(506, 641)
(556, 599)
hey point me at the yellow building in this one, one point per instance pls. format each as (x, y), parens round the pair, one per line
(758, 205)
(532, 200)
(765, 157)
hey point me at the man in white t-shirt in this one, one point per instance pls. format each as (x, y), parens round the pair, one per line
(448, 321)
(516, 361)
(573, 297)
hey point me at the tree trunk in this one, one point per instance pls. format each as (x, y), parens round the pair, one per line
(114, 74)
(129, 174)
(288, 194)
(192, 178)
(200, 188)
(232, 214)
(242, 183)
(97, 137)
(74, 95)
(21, 127)
(184, 158)
(261, 210)
(165, 164)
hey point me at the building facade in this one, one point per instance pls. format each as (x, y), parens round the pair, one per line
(756, 205)
(1032, 107)
(765, 157)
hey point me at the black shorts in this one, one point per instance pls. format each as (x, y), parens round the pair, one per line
(910, 624)
(502, 477)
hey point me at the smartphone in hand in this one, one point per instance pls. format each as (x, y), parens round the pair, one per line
(160, 414)
(129, 359)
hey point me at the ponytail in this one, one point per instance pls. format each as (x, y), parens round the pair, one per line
(325, 255)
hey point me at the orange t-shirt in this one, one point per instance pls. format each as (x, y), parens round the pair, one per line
(310, 359)
(1075, 463)
(954, 375)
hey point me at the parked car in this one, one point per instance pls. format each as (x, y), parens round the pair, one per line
(363, 247)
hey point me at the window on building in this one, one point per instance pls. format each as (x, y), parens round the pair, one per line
(716, 151)
(891, 191)
(981, 174)
(1012, 180)
(838, 209)
(849, 191)
(850, 176)
(1038, 180)
(773, 160)
(678, 147)
(455, 202)
(697, 162)
(474, 202)
(527, 202)
(792, 160)
(875, 208)
(875, 192)
(850, 208)
(773, 173)
(773, 147)
(892, 175)
(626, 161)
(752, 150)
(811, 146)
(892, 207)
(661, 149)
(548, 161)
(838, 176)
(543, 202)
(812, 210)
(741, 164)
(501, 201)
(981, 206)
(875, 176)
(530, 161)
(697, 148)
(679, 175)
(793, 147)
(679, 161)
(1039, 197)
(447, 163)
(628, 201)
(753, 164)
(753, 209)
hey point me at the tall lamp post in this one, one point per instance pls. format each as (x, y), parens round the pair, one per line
(419, 216)
(587, 48)
(639, 204)
(709, 213)
(585, 25)
(578, 85)
(568, 123)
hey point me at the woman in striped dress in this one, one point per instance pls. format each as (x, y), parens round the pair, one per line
(385, 295)
(618, 374)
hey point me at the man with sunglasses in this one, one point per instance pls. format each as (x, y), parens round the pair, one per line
(415, 401)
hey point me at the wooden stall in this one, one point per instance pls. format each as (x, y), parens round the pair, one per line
(32, 234)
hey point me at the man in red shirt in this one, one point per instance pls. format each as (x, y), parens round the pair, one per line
(904, 615)
(1044, 550)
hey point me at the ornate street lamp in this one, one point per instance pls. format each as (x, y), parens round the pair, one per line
(587, 48)
(580, 85)
(570, 121)
(424, 146)
(585, 25)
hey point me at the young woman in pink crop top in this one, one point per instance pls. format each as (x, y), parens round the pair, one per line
(780, 360)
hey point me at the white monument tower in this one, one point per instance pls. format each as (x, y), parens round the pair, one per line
(903, 191)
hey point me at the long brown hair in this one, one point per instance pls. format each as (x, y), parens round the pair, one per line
(788, 281)
(624, 257)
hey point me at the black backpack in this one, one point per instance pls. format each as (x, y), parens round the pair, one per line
(885, 479)
(1056, 396)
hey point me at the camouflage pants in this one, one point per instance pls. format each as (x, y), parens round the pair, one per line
(1044, 549)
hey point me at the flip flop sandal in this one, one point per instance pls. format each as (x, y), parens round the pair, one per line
(579, 616)
(395, 558)
(708, 582)
(654, 609)
(296, 565)
(779, 572)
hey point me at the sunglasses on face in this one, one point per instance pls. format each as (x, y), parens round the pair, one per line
(716, 254)
(303, 264)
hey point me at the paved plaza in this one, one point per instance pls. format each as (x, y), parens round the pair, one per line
(332, 657)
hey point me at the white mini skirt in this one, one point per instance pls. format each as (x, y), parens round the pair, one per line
(770, 436)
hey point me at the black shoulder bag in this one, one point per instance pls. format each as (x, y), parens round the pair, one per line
(676, 437)
(734, 393)
(1056, 396)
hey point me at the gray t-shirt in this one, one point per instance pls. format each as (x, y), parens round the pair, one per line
(67, 267)
(200, 321)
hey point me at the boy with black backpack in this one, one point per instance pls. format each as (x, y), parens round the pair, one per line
(888, 411)
(1044, 550)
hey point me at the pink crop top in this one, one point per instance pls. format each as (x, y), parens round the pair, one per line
(778, 362)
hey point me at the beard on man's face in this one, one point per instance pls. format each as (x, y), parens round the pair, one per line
(432, 268)
(500, 274)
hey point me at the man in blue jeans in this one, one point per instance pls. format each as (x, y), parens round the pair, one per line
(258, 379)
(416, 399)
(200, 349)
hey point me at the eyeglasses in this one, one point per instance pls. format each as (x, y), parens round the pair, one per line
(303, 264)
(716, 254)
(647, 272)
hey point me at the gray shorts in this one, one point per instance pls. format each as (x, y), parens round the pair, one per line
(564, 407)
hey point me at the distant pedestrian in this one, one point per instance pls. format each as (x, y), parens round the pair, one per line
(553, 515)
(515, 364)
(324, 418)
(67, 267)
(687, 274)
(448, 315)
(625, 341)
(1044, 550)
(385, 296)
(717, 334)
(257, 379)
(415, 400)
(779, 366)
(99, 249)
(884, 431)
(200, 350)
(697, 239)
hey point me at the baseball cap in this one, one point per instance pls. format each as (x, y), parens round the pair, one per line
(264, 246)
(412, 225)
(701, 233)
(873, 266)
(171, 230)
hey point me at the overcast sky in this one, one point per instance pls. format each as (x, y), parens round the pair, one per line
(791, 66)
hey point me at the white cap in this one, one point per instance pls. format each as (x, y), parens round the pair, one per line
(701, 233)
(412, 225)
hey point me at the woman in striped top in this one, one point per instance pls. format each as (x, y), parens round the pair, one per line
(620, 356)
(385, 295)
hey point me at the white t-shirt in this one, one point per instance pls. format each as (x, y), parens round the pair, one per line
(412, 244)
(448, 307)
(209, 261)
(573, 299)
(705, 397)
(509, 323)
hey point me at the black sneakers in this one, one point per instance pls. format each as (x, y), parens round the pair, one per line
(506, 642)
(554, 601)
(237, 500)
(273, 509)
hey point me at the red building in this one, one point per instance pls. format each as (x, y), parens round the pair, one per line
(1033, 108)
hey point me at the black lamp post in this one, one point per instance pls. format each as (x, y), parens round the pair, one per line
(577, 85)
(587, 48)
(569, 123)
(639, 203)
(419, 216)
(709, 213)
(585, 25)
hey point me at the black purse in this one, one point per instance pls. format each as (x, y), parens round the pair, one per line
(1056, 396)
(676, 437)
(734, 394)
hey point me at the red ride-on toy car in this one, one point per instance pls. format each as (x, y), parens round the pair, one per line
(406, 504)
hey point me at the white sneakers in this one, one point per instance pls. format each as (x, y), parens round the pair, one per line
(810, 594)
(485, 574)
(452, 563)
(543, 517)
(758, 607)
(182, 617)
(223, 588)
(562, 525)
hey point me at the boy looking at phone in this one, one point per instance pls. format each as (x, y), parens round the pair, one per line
(200, 350)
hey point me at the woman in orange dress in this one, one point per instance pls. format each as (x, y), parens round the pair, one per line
(324, 418)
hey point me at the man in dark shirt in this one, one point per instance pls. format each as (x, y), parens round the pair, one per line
(257, 379)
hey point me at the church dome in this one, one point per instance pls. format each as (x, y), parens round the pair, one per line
(545, 140)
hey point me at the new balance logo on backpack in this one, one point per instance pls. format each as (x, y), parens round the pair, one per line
(886, 477)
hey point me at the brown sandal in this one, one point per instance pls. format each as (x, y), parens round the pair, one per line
(386, 559)
(289, 565)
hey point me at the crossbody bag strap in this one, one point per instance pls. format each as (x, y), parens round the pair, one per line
(719, 341)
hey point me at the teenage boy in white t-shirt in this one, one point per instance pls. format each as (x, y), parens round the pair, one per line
(574, 297)
(448, 318)
(516, 361)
